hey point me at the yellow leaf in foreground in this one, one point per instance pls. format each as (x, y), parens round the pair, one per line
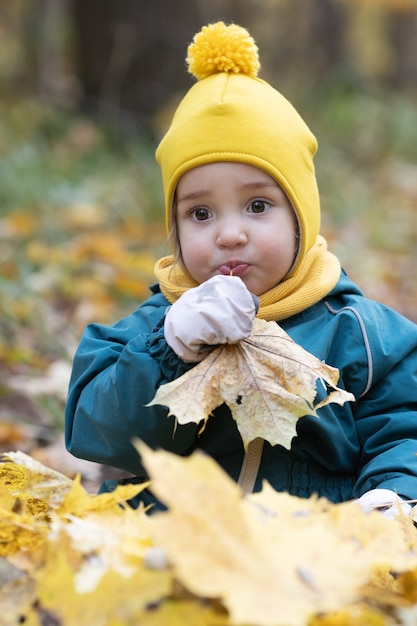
(268, 382)
(79, 502)
(100, 534)
(272, 559)
(20, 532)
(103, 542)
(31, 479)
(75, 558)
(26, 494)
(115, 599)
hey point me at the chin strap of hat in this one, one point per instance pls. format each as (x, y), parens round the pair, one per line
(250, 465)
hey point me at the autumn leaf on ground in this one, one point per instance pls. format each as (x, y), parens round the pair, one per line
(268, 382)
(28, 492)
(30, 479)
(75, 557)
(272, 559)
(80, 503)
(115, 599)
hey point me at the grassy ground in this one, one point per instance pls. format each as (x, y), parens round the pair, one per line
(81, 224)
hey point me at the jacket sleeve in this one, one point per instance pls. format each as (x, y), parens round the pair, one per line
(386, 416)
(116, 373)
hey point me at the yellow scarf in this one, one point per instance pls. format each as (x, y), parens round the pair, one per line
(317, 273)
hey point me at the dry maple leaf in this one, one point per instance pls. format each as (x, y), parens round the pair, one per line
(268, 382)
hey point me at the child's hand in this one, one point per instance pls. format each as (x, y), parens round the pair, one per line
(385, 501)
(220, 310)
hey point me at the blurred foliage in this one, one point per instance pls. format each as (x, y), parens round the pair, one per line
(81, 210)
(80, 227)
(80, 230)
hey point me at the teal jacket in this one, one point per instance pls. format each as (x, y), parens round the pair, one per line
(350, 449)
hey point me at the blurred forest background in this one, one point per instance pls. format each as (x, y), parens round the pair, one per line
(87, 88)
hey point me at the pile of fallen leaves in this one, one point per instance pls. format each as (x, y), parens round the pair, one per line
(213, 558)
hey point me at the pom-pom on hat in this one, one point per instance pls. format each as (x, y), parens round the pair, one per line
(220, 48)
(232, 115)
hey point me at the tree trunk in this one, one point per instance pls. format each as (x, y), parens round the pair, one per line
(131, 55)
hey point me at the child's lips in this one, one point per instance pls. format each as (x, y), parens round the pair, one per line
(238, 268)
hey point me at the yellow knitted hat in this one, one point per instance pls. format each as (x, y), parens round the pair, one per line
(232, 115)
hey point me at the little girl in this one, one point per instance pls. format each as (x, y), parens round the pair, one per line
(243, 216)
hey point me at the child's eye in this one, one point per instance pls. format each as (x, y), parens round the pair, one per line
(200, 214)
(258, 206)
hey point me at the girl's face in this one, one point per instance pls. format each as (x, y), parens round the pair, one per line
(233, 218)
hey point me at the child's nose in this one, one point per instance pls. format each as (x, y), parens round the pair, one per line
(231, 234)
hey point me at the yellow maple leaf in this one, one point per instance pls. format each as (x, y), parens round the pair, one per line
(272, 559)
(102, 542)
(27, 489)
(114, 599)
(30, 479)
(268, 382)
(19, 532)
(79, 502)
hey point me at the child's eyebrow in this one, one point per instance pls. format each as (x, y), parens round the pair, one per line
(192, 195)
(261, 184)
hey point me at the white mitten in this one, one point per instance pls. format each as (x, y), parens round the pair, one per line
(220, 310)
(385, 501)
